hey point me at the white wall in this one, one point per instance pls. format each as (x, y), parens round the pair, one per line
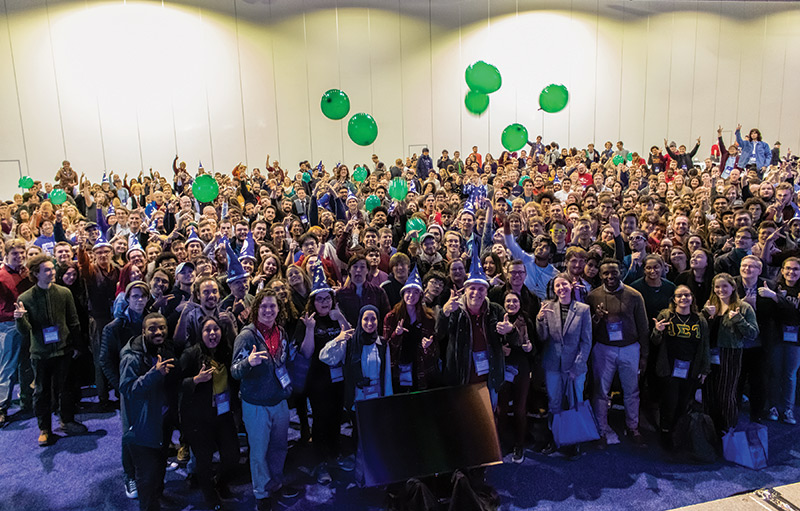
(124, 85)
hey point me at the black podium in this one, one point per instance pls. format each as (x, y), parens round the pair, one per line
(426, 433)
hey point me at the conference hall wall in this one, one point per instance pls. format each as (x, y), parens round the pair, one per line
(125, 85)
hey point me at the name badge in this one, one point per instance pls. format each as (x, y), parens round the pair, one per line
(406, 379)
(50, 334)
(681, 369)
(481, 362)
(337, 374)
(222, 402)
(614, 331)
(283, 376)
(304, 219)
(372, 391)
(790, 333)
(715, 356)
(511, 373)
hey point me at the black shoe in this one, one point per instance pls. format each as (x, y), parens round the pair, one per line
(573, 452)
(289, 492)
(547, 449)
(224, 491)
(264, 504)
(519, 455)
(635, 436)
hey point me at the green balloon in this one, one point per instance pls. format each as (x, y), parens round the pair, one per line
(205, 188)
(398, 188)
(483, 77)
(553, 98)
(372, 202)
(26, 182)
(58, 196)
(306, 177)
(360, 175)
(362, 129)
(618, 159)
(416, 224)
(514, 137)
(629, 157)
(523, 179)
(476, 102)
(335, 104)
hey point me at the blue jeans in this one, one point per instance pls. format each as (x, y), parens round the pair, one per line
(607, 361)
(10, 341)
(268, 436)
(788, 357)
(557, 387)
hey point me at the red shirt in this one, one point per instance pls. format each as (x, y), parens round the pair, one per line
(12, 284)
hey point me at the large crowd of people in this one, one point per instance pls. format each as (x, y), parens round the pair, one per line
(546, 274)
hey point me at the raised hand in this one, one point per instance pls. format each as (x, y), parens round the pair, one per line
(600, 312)
(710, 309)
(505, 326)
(308, 320)
(733, 313)
(204, 375)
(256, 357)
(661, 324)
(451, 305)
(19, 310)
(400, 330)
(766, 292)
(426, 342)
(544, 311)
(527, 346)
(164, 366)
(344, 335)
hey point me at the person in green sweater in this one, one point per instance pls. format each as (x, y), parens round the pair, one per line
(46, 314)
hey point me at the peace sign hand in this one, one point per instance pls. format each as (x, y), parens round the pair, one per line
(399, 330)
(451, 305)
(661, 324)
(164, 366)
(204, 375)
(505, 326)
(256, 357)
(309, 321)
(344, 335)
(546, 309)
(19, 310)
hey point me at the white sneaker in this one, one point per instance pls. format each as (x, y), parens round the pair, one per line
(611, 437)
(130, 489)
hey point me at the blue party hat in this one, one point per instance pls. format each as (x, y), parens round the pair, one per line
(323, 201)
(248, 250)
(101, 242)
(194, 237)
(412, 187)
(319, 282)
(469, 208)
(556, 180)
(102, 224)
(111, 211)
(235, 269)
(134, 245)
(351, 196)
(476, 274)
(224, 210)
(105, 178)
(413, 280)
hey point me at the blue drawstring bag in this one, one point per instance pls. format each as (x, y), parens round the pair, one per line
(574, 425)
(747, 446)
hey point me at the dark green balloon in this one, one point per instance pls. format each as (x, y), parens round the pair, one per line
(372, 202)
(360, 175)
(398, 188)
(335, 104)
(205, 188)
(483, 77)
(514, 137)
(553, 98)
(58, 196)
(476, 102)
(362, 129)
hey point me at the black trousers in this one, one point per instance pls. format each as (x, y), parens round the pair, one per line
(676, 394)
(151, 466)
(513, 397)
(50, 375)
(327, 402)
(721, 388)
(205, 438)
(127, 461)
(756, 373)
(95, 332)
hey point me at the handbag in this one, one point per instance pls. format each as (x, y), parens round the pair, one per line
(575, 425)
(747, 446)
(297, 365)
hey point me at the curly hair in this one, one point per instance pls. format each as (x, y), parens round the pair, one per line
(281, 318)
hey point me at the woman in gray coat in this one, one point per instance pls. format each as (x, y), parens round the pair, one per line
(564, 326)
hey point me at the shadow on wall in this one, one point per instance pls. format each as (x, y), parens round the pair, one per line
(275, 11)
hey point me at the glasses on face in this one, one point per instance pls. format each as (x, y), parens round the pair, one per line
(683, 295)
(517, 272)
(558, 231)
(638, 238)
(323, 299)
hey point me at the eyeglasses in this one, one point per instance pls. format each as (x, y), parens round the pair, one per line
(638, 238)
(323, 299)
(558, 231)
(683, 295)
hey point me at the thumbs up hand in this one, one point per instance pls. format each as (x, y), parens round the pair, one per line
(505, 326)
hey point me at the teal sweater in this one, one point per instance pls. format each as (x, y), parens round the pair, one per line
(45, 308)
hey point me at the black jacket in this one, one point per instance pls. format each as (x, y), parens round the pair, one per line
(197, 400)
(115, 336)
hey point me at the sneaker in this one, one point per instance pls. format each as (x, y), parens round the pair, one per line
(74, 428)
(264, 504)
(572, 452)
(130, 489)
(610, 438)
(346, 463)
(323, 476)
(172, 466)
(788, 417)
(45, 438)
(518, 456)
(635, 436)
(183, 454)
(773, 414)
(289, 492)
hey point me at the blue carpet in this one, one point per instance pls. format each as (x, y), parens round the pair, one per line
(84, 473)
